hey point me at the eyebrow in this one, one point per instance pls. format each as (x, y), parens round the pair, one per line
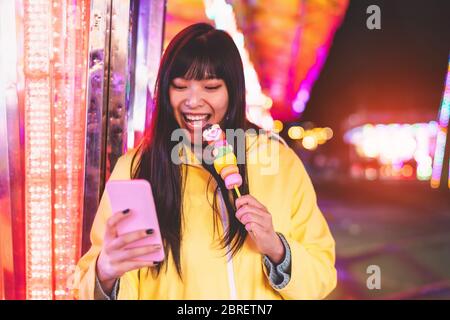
(206, 79)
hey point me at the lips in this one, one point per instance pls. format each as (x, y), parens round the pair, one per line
(196, 120)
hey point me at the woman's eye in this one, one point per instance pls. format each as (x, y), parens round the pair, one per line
(213, 87)
(179, 87)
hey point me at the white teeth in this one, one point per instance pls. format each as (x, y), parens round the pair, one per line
(195, 118)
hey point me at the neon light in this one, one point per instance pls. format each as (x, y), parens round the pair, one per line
(70, 21)
(322, 30)
(394, 144)
(55, 66)
(38, 185)
(258, 104)
(441, 138)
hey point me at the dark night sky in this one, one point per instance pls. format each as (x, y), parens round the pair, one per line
(400, 68)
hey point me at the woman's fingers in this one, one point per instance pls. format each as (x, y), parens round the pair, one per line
(247, 208)
(251, 212)
(249, 200)
(130, 254)
(115, 259)
(254, 229)
(111, 224)
(251, 217)
(127, 238)
(133, 265)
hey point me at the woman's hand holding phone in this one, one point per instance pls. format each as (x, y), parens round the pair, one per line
(115, 258)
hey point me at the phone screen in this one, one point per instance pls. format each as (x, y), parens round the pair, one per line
(136, 195)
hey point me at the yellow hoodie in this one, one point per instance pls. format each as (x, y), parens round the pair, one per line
(277, 178)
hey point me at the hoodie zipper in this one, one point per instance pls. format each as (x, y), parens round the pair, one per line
(231, 280)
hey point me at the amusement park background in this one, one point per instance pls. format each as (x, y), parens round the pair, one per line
(366, 109)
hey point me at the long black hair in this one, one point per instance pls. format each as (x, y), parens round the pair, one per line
(197, 52)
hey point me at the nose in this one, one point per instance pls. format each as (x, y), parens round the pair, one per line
(194, 98)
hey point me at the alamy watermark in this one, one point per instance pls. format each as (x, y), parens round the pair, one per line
(373, 22)
(265, 155)
(374, 280)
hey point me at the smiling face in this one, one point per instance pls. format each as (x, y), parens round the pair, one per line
(198, 103)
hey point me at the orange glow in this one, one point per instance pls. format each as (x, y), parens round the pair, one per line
(277, 126)
(371, 173)
(296, 132)
(309, 142)
(434, 184)
(407, 171)
(396, 172)
(386, 171)
(328, 133)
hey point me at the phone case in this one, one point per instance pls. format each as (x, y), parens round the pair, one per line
(137, 196)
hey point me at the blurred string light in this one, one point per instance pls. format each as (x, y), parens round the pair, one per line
(395, 144)
(38, 118)
(330, 17)
(55, 55)
(258, 104)
(310, 142)
(296, 132)
(311, 138)
(441, 138)
(277, 126)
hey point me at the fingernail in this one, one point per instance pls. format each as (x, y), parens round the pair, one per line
(126, 211)
(149, 231)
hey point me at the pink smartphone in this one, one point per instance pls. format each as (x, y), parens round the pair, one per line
(137, 196)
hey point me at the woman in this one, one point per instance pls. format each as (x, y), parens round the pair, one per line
(270, 243)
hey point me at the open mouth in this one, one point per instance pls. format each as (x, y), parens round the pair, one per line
(196, 121)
